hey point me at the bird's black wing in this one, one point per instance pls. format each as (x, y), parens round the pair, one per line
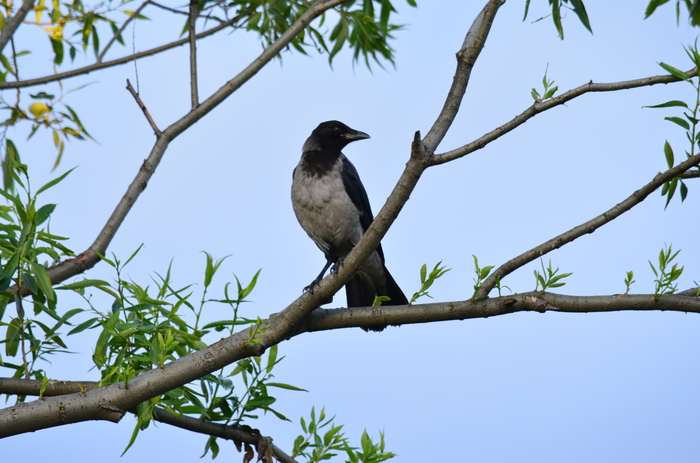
(358, 195)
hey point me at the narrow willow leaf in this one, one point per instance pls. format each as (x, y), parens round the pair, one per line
(53, 182)
(669, 104)
(677, 120)
(675, 72)
(83, 284)
(668, 152)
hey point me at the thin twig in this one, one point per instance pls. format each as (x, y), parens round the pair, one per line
(22, 339)
(541, 106)
(585, 228)
(143, 108)
(192, 22)
(176, 11)
(118, 34)
(693, 174)
(118, 61)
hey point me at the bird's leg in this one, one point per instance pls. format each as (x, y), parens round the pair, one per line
(330, 259)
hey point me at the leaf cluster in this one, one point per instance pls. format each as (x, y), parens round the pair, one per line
(427, 280)
(688, 121)
(693, 7)
(666, 274)
(323, 440)
(27, 249)
(549, 278)
(365, 26)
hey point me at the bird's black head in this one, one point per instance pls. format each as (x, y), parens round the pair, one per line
(332, 136)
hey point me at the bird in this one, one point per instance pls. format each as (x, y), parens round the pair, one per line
(332, 206)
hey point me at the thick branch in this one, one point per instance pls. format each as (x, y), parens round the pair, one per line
(16, 386)
(587, 227)
(420, 150)
(330, 319)
(111, 402)
(541, 106)
(234, 433)
(466, 57)
(32, 387)
(14, 22)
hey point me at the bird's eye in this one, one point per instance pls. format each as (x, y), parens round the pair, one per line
(337, 129)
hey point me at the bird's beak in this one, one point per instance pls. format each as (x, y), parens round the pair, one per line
(355, 135)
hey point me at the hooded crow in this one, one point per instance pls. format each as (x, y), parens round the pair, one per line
(332, 207)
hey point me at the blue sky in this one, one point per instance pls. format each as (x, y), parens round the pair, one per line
(523, 387)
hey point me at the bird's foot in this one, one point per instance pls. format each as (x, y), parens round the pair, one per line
(311, 286)
(336, 266)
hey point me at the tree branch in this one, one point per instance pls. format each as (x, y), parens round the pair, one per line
(117, 34)
(585, 228)
(139, 102)
(237, 434)
(118, 61)
(420, 153)
(330, 319)
(541, 106)
(14, 22)
(230, 432)
(191, 22)
(111, 402)
(466, 57)
(693, 174)
(90, 257)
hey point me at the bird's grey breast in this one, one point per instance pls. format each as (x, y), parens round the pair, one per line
(324, 209)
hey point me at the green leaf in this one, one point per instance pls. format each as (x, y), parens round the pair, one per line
(57, 46)
(675, 72)
(271, 358)
(248, 289)
(85, 325)
(669, 104)
(677, 120)
(580, 11)
(29, 280)
(285, 386)
(43, 280)
(671, 190)
(683, 191)
(44, 213)
(83, 284)
(53, 182)
(259, 402)
(651, 7)
(9, 162)
(527, 9)
(668, 152)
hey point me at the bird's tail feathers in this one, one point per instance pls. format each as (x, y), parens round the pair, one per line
(361, 293)
(393, 291)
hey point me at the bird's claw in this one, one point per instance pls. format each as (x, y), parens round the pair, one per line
(336, 266)
(311, 287)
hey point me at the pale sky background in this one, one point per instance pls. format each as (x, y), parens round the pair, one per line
(527, 387)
